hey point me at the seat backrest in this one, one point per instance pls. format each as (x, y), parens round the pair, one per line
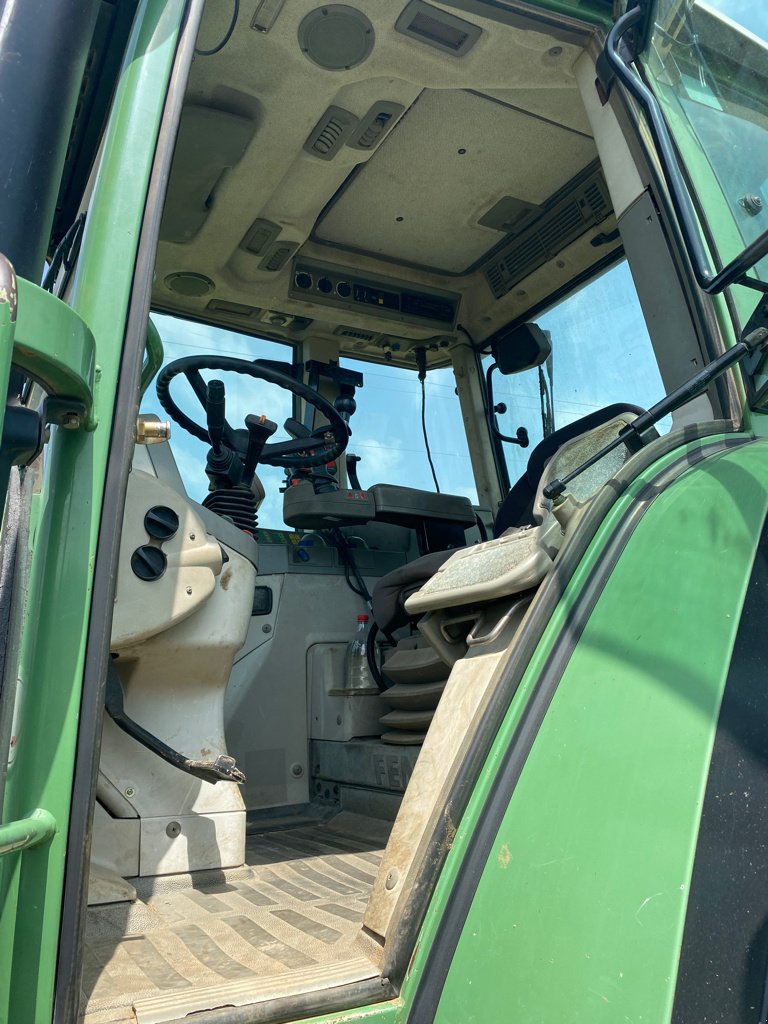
(517, 509)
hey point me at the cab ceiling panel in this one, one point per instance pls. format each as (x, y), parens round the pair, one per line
(449, 161)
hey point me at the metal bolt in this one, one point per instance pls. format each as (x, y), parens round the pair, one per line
(189, 590)
(297, 770)
(392, 879)
(752, 203)
(172, 829)
(130, 792)
(266, 628)
(191, 536)
(70, 421)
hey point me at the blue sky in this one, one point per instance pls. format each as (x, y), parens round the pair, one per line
(750, 14)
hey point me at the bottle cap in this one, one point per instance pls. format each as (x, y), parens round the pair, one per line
(362, 618)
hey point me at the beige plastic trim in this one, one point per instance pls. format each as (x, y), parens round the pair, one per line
(194, 560)
(242, 993)
(619, 169)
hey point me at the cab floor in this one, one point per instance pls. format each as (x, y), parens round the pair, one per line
(297, 903)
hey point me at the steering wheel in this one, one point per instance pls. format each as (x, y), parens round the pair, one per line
(303, 451)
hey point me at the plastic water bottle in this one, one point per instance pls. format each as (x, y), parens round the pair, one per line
(357, 675)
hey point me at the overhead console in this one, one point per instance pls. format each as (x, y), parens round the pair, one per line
(372, 294)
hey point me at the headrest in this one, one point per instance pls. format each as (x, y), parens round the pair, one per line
(520, 348)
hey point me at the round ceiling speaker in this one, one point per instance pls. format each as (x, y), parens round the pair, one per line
(336, 37)
(189, 284)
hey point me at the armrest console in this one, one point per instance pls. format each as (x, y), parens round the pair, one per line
(387, 503)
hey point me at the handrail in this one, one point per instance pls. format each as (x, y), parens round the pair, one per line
(36, 828)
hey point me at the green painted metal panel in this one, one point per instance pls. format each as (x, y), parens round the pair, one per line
(580, 908)
(598, 12)
(66, 524)
(54, 345)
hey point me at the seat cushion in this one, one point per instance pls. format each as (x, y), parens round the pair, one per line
(390, 593)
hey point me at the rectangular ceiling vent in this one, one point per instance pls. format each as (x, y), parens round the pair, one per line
(278, 255)
(330, 133)
(238, 309)
(562, 224)
(375, 125)
(430, 25)
(356, 333)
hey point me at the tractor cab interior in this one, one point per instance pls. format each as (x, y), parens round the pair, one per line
(411, 272)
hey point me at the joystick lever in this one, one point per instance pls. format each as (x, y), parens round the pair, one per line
(214, 412)
(260, 429)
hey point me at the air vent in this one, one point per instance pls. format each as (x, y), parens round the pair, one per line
(237, 309)
(433, 27)
(375, 125)
(330, 133)
(567, 221)
(596, 197)
(562, 224)
(353, 332)
(277, 255)
(260, 235)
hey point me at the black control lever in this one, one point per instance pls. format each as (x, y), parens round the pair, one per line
(260, 429)
(215, 398)
(631, 434)
(296, 429)
(352, 461)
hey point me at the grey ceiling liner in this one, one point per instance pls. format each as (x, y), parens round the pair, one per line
(446, 163)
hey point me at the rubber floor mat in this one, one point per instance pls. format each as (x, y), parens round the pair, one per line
(297, 903)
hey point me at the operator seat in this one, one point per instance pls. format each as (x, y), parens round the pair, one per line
(392, 591)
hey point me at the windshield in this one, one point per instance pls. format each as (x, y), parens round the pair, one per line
(708, 65)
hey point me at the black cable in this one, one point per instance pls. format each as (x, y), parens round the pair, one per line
(340, 542)
(227, 36)
(350, 584)
(472, 343)
(370, 654)
(424, 432)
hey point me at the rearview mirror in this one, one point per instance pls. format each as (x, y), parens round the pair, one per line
(520, 348)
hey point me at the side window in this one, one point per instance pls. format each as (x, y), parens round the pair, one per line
(601, 354)
(387, 435)
(243, 395)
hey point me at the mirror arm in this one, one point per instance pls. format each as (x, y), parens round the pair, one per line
(521, 435)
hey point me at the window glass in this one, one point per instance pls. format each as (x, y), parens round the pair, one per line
(243, 395)
(387, 435)
(708, 64)
(601, 354)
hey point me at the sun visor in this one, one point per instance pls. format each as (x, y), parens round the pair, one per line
(209, 143)
(520, 348)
